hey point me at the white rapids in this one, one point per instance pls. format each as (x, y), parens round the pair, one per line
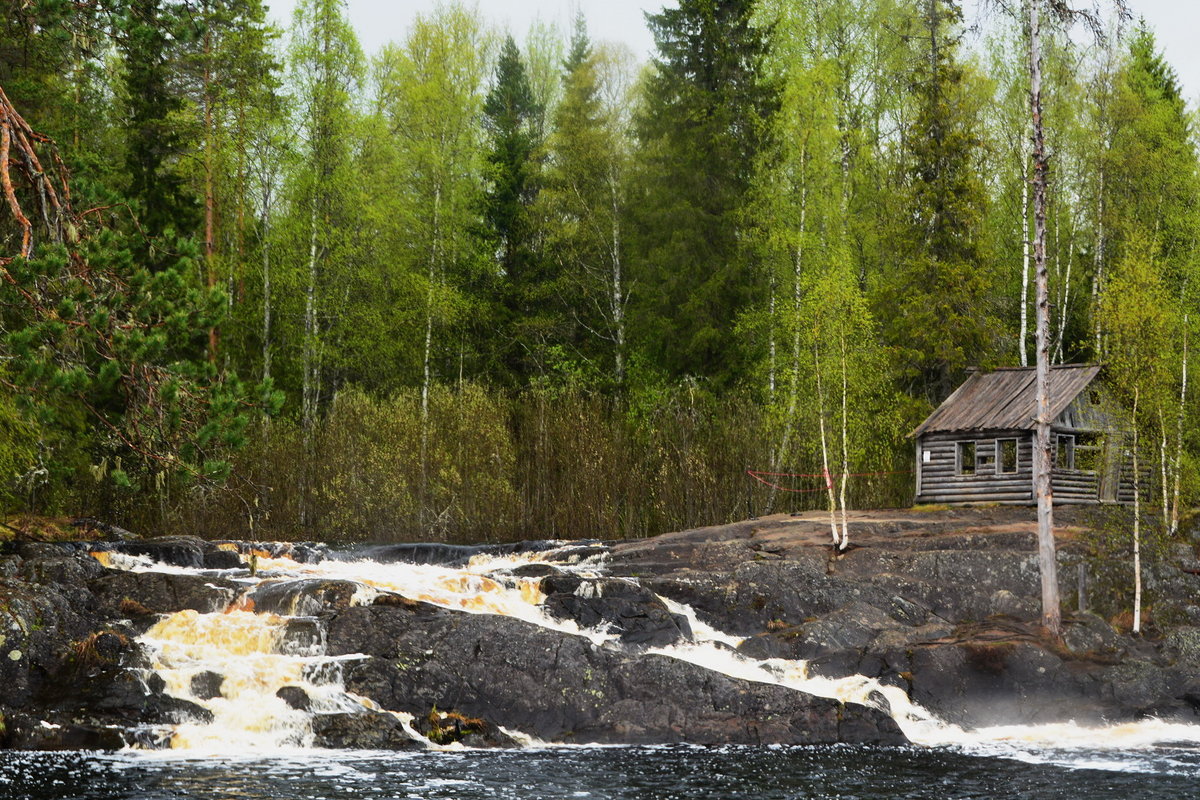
(257, 657)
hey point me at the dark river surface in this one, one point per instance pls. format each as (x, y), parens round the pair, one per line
(644, 773)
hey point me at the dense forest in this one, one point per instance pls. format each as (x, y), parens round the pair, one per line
(487, 285)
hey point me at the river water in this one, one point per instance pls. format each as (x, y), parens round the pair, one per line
(257, 746)
(611, 773)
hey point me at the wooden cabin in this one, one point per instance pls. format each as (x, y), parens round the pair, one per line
(977, 447)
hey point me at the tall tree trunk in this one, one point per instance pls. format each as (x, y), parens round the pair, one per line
(1066, 293)
(797, 315)
(1098, 271)
(1173, 528)
(267, 299)
(427, 370)
(1137, 523)
(1023, 335)
(833, 521)
(1047, 564)
(617, 295)
(210, 202)
(845, 444)
(308, 391)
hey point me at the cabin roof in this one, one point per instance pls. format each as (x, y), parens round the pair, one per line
(1006, 399)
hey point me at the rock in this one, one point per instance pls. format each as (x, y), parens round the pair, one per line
(180, 551)
(139, 593)
(207, 684)
(1182, 646)
(307, 597)
(449, 727)
(562, 688)
(295, 697)
(222, 559)
(636, 614)
(365, 730)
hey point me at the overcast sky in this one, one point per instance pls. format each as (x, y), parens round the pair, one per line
(1175, 22)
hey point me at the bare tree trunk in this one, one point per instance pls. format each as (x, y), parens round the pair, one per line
(618, 289)
(845, 446)
(210, 269)
(1137, 523)
(266, 264)
(1023, 336)
(1098, 270)
(833, 522)
(1173, 527)
(1164, 467)
(427, 373)
(1066, 293)
(1047, 564)
(308, 392)
(797, 311)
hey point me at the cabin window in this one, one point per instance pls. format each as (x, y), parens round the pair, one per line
(1064, 452)
(1089, 449)
(1008, 456)
(985, 457)
(966, 458)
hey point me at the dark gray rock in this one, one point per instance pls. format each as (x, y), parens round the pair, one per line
(308, 597)
(635, 613)
(207, 684)
(563, 688)
(222, 559)
(295, 697)
(126, 593)
(366, 730)
(180, 551)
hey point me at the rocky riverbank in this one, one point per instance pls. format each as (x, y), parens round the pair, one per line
(940, 604)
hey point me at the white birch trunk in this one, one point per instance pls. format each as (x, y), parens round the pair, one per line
(797, 316)
(1023, 335)
(845, 542)
(1173, 528)
(833, 522)
(1137, 523)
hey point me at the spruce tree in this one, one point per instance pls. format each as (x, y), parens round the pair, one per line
(939, 302)
(511, 116)
(702, 124)
(154, 143)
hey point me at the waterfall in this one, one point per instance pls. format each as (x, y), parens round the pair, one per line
(262, 655)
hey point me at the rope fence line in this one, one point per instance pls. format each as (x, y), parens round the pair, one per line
(761, 476)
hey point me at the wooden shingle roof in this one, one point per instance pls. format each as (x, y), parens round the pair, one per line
(1006, 399)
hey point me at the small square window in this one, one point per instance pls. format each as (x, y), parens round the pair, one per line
(966, 458)
(1008, 456)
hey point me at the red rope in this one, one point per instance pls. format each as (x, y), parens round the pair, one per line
(758, 476)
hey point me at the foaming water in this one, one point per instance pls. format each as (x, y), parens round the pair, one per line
(258, 656)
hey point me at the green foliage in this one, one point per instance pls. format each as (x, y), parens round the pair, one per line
(97, 341)
(939, 299)
(701, 127)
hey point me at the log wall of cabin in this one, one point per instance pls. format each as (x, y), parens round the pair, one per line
(940, 480)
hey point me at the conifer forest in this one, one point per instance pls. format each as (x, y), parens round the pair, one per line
(493, 285)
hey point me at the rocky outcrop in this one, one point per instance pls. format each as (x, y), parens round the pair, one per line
(944, 605)
(564, 688)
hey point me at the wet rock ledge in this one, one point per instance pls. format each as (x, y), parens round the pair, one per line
(940, 604)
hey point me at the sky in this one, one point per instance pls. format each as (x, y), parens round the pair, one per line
(1176, 23)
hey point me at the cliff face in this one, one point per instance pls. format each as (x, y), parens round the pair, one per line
(942, 606)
